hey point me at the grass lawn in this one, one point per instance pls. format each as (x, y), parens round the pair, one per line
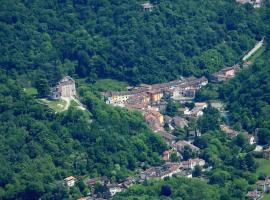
(266, 197)
(56, 105)
(31, 91)
(110, 85)
(73, 103)
(264, 166)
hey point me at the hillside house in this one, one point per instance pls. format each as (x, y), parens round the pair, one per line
(231, 133)
(115, 188)
(117, 98)
(191, 163)
(263, 185)
(200, 105)
(154, 119)
(166, 155)
(194, 133)
(128, 182)
(101, 180)
(184, 173)
(183, 94)
(169, 138)
(225, 74)
(185, 111)
(168, 170)
(70, 181)
(64, 88)
(155, 95)
(180, 122)
(196, 113)
(180, 145)
(250, 138)
(147, 6)
(254, 195)
(255, 3)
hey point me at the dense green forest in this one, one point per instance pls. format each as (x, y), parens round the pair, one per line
(174, 188)
(248, 98)
(117, 39)
(39, 149)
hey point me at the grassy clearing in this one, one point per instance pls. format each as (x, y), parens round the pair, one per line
(56, 105)
(264, 166)
(110, 85)
(31, 91)
(257, 54)
(74, 103)
(266, 197)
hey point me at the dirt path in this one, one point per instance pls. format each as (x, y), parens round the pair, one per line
(67, 100)
(252, 51)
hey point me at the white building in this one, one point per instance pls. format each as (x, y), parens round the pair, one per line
(64, 88)
(191, 163)
(70, 181)
(115, 189)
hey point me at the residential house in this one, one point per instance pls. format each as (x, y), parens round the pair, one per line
(180, 145)
(102, 180)
(115, 188)
(185, 111)
(148, 6)
(266, 153)
(149, 173)
(166, 155)
(184, 173)
(218, 105)
(117, 98)
(225, 74)
(191, 163)
(64, 88)
(169, 138)
(200, 105)
(255, 3)
(128, 182)
(250, 138)
(231, 133)
(154, 119)
(263, 185)
(158, 115)
(196, 113)
(70, 181)
(180, 93)
(194, 133)
(155, 95)
(167, 119)
(168, 170)
(180, 122)
(254, 195)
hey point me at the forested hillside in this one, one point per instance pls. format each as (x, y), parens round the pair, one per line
(174, 188)
(39, 149)
(248, 98)
(117, 39)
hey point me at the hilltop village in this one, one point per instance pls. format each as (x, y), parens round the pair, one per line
(182, 158)
(151, 101)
